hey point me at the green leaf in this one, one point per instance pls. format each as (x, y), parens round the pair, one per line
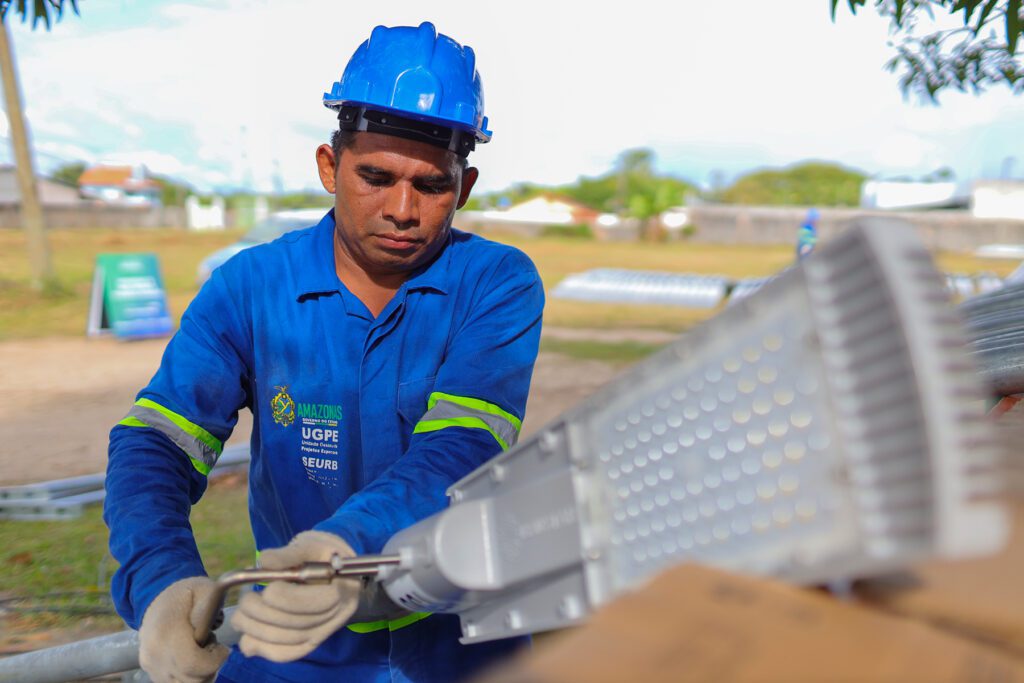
(899, 11)
(41, 11)
(967, 7)
(1013, 26)
(852, 4)
(983, 17)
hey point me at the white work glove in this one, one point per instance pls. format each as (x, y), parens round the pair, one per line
(167, 648)
(287, 621)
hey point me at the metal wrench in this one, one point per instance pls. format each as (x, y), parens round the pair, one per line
(212, 610)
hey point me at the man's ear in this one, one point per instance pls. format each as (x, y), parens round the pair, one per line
(327, 167)
(469, 176)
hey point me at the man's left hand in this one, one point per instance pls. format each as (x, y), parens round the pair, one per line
(287, 621)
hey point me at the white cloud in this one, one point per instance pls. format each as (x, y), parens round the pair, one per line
(231, 90)
(902, 151)
(50, 155)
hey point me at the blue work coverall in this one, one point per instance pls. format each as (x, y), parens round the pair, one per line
(360, 425)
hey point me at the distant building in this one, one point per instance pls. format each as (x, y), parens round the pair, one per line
(998, 199)
(547, 210)
(530, 217)
(119, 185)
(51, 192)
(913, 195)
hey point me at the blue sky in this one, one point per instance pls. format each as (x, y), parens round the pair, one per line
(227, 94)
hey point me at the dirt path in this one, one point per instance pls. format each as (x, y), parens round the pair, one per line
(61, 396)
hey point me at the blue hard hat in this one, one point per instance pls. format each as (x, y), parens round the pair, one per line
(418, 80)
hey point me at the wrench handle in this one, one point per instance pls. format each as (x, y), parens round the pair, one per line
(211, 612)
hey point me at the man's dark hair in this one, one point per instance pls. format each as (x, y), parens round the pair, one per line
(342, 139)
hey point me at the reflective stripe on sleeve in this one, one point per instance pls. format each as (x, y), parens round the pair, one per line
(201, 447)
(447, 410)
(391, 625)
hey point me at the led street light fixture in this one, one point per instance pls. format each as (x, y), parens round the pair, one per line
(830, 426)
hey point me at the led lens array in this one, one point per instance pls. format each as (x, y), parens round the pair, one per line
(726, 460)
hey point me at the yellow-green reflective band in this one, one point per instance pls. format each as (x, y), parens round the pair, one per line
(392, 625)
(201, 467)
(448, 410)
(201, 447)
(475, 404)
(260, 583)
(189, 428)
(471, 422)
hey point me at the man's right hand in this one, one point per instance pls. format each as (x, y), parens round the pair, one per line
(167, 647)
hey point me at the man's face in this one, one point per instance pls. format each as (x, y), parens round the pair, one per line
(394, 201)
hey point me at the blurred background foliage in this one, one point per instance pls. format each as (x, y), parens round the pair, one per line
(805, 184)
(984, 51)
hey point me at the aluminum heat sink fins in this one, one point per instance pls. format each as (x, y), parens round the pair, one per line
(823, 428)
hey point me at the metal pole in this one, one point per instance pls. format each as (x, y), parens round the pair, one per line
(86, 658)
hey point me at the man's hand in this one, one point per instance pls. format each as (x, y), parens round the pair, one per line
(287, 621)
(167, 647)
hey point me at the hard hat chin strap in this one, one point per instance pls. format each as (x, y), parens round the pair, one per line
(358, 118)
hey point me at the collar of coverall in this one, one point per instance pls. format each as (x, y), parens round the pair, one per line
(317, 274)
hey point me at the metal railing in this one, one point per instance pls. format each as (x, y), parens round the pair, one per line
(67, 498)
(119, 652)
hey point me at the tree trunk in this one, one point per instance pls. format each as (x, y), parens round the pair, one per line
(31, 211)
(651, 230)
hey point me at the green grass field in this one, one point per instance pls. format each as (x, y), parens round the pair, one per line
(616, 353)
(57, 574)
(62, 310)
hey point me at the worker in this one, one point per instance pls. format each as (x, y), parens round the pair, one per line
(807, 236)
(384, 355)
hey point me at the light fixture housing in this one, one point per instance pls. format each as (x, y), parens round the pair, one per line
(830, 426)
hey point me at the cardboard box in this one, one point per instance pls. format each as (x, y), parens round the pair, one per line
(981, 599)
(694, 623)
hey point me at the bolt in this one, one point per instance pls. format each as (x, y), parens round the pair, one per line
(569, 607)
(548, 441)
(514, 620)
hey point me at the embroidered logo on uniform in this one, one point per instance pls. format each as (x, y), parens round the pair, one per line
(283, 407)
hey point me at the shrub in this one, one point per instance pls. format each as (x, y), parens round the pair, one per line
(579, 231)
